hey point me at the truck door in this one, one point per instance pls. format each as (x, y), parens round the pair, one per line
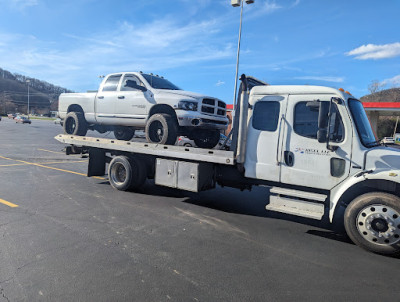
(305, 161)
(106, 99)
(264, 138)
(131, 102)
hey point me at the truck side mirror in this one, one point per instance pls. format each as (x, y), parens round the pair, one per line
(323, 116)
(141, 88)
(323, 120)
(134, 85)
(322, 135)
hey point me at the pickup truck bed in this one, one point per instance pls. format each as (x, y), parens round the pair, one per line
(181, 152)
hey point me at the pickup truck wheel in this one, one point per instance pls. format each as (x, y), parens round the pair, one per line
(75, 124)
(124, 133)
(161, 128)
(206, 138)
(372, 221)
(126, 173)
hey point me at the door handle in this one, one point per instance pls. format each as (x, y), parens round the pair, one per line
(100, 97)
(121, 97)
(289, 158)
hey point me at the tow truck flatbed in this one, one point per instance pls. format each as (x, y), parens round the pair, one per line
(181, 152)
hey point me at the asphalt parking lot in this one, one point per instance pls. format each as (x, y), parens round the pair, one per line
(67, 237)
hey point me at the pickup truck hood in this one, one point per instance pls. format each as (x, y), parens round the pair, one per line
(179, 93)
(383, 158)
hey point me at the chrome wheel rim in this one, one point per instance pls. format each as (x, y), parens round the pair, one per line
(118, 173)
(379, 224)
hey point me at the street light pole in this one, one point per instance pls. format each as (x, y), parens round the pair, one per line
(236, 3)
(28, 81)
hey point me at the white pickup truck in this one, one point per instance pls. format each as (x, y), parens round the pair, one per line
(128, 101)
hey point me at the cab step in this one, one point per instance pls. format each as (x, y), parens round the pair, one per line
(298, 203)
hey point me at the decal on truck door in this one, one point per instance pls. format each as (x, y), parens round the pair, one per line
(312, 151)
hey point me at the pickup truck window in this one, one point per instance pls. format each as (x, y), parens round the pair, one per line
(111, 83)
(129, 81)
(306, 122)
(266, 116)
(159, 83)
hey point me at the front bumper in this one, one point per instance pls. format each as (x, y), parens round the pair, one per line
(194, 119)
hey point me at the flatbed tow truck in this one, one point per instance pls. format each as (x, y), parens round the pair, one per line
(312, 145)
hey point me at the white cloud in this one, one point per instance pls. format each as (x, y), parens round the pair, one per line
(269, 7)
(152, 47)
(19, 4)
(295, 3)
(219, 83)
(375, 52)
(322, 78)
(395, 81)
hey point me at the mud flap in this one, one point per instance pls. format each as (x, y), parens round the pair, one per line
(97, 162)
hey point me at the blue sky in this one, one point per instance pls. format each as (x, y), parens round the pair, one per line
(193, 43)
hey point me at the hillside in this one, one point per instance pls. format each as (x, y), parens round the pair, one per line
(43, 96)
(387, 95)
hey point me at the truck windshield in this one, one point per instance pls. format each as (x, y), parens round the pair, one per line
(363, 126)
(159, 83)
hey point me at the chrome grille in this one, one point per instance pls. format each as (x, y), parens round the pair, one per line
(209, 102)
(207, 109)
(214, 107)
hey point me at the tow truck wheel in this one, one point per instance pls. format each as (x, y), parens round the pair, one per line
(75, 124)
(161, 128)
(372, 221)
(124, 133)
(204, 138)
(126, 173)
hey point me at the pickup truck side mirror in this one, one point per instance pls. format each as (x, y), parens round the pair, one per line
(141, 88)
(134, 85)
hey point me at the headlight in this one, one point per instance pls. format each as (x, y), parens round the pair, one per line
(186, 105)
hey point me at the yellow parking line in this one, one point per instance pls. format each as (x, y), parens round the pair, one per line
(52, 168)
(11, 165)
(63, 162)
(49, 163)
(12, 205)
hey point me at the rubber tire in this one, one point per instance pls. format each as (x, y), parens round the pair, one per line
(78, 119)
(207, 139)
(135, 173)
(169, 128)
(124, 133)
(350, 221)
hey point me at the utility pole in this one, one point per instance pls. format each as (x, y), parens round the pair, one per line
(395, 127)
(28, 81)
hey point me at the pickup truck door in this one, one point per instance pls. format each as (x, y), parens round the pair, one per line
(305, 161)
(106, 100)
(265, 136)
(131, 103)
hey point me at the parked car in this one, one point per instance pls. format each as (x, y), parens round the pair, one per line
(58, 121)
(0, 117)
(22, 120)
(388, 140)
(184, 141)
